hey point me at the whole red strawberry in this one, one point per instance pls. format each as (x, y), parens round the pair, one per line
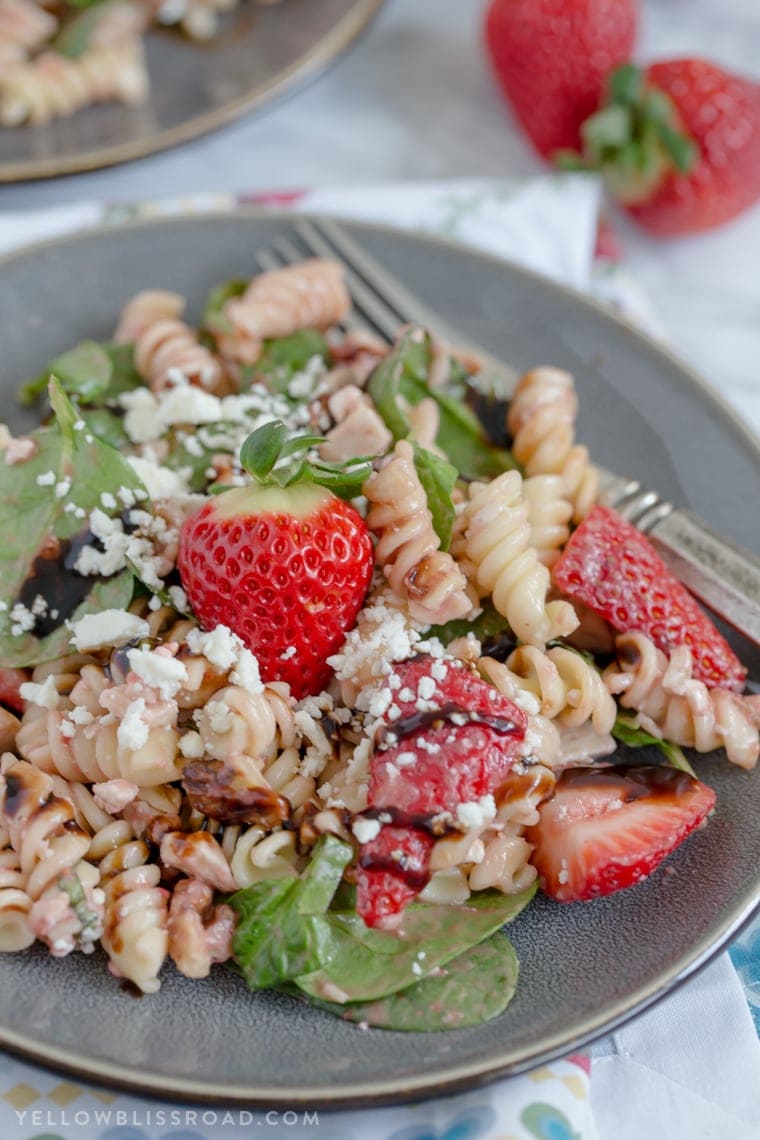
(606, 829)
(449, 739)
(285, 567)
(679, 144)
(613, 568)
(551, 59)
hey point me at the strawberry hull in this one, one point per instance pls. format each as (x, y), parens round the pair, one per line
(614, 569)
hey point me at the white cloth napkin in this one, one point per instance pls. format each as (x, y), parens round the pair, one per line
(690, 1067)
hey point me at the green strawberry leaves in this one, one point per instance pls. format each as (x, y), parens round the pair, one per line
(265, 451)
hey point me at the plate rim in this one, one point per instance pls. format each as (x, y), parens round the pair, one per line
(288, 81)
(458, 1075)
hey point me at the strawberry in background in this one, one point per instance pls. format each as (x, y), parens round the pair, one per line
(552, 58)
(678, 145)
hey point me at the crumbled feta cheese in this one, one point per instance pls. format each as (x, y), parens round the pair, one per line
(366, 830)
(62, 489)
(44, 695)
(159, 482)
(133, 731)
(219, 716)
(426, 688)
(46, 479)
(406, 759)
(246, 672)
(22, 618)
(178, 598)
(108, 501)
(109, 627)
(191, 745)
(477, 813)
(158, 669)
(80, 715)
(220, 646)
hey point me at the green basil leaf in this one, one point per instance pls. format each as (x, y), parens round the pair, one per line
(474, 987)
(437, 478)
(366, 964)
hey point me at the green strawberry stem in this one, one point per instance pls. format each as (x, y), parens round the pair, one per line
(264, 450)
(635, 140)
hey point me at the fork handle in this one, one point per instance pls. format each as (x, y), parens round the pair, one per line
(720, 574)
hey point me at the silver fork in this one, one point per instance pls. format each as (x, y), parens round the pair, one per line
(721, 574)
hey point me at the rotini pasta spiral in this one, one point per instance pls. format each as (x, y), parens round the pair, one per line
(568, 688)
(497, 538)
(408, 547)
(541, 420)
(168, 349)
(497, 855)
(24, 26)
(275, 304)
(52, 85)
(145, 309)
(549, 514)
(51, 848)
(671, 704)
(135, 934)
(256, 856)
(15, 903)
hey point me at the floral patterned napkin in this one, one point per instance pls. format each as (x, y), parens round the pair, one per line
(552, 225)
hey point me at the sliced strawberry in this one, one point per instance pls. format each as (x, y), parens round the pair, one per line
(393, 868)
(613, 568)
(606, 829)
(449, 739)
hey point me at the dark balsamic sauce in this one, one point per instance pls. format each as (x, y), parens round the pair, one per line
(436, 718)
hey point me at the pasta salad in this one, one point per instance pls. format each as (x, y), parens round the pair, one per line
(59, 56)
(317, 657)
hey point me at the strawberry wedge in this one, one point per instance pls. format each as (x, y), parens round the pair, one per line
(606, 829)
(447, 745)
(613, 568)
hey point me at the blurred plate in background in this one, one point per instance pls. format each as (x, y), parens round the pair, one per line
(261, 53)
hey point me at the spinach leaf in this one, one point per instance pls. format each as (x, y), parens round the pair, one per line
(437, 478)
(366, 965)
(628, 732)
(282, 931)
(283, 358)
(70, 467)
(487, 626)
(107, 426)
(213, 317)
(472, 988)
(461, 436)
(94, 373)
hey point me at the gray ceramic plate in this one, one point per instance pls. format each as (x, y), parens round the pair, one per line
(584, 968)
(261, 53)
